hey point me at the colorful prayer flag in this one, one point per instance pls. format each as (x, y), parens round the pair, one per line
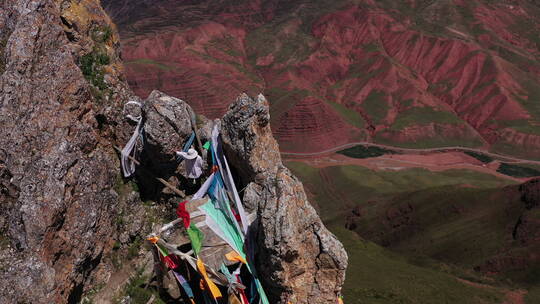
(184, 284)
(182, 213)
(167, 259)
(196, 237)
(208, 284)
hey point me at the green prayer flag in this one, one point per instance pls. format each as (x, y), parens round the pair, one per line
(162, 250)
(196, 236)
(206, 146)
(224, 227)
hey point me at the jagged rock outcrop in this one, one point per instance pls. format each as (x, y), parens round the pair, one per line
(299, 260)
(167, 125)
(63, 202)
(167, 122)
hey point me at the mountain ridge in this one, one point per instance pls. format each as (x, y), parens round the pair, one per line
(426, 73)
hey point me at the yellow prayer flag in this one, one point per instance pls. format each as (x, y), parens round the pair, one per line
(212, 288)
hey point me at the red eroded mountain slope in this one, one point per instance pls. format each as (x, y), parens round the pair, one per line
(410, 73)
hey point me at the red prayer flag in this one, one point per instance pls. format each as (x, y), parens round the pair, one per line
(170, 260)
(181, 212)
(242, 291)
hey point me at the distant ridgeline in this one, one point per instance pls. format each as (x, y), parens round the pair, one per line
(413, 74)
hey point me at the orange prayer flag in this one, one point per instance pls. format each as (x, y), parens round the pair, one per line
(233, 256)
(153, 239)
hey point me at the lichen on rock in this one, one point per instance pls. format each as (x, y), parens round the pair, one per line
(56, 145)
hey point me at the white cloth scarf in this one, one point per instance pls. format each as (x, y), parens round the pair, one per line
(128, 165)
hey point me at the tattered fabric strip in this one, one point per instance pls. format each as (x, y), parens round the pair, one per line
(234, 285)
(217, 277)
(210, 286)
(185, 285)
(204, 188)
(186, 147)
(128, 165)
(182, 213)
(215, 189)
(241, 291)
(243, 295)
(233, 299)
(196, 237)
(223, 227)
(189, 142)
(233, 256)
(227, 177)
(239, 206)
(229, 182)
(218, 193)
(260, 290)
(167, 259)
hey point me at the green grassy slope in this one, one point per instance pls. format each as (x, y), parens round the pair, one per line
(439, 225)
(337, 188)
(533, 297)
(376, 275)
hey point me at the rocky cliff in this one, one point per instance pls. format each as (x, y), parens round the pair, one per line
(66, 213)
(60, 93)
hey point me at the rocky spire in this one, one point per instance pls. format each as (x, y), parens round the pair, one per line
(299, 260)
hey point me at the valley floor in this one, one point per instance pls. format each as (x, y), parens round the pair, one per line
(506, 158)
(394, 162)
(417, 225)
